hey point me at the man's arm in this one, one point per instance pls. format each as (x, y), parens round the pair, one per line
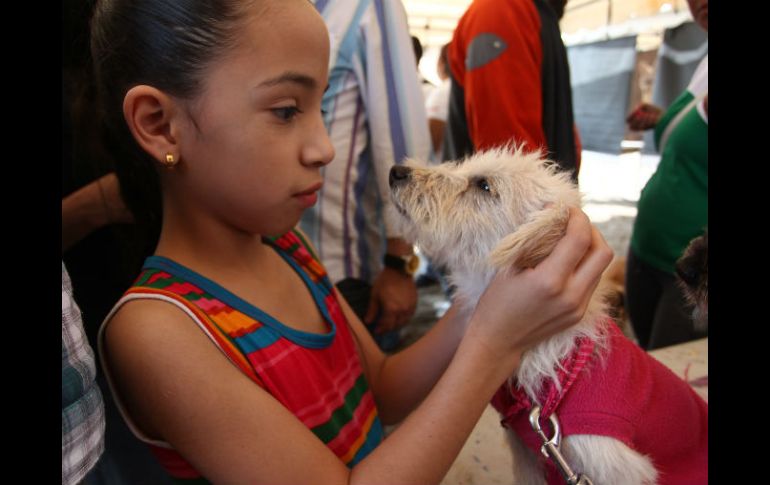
(398, 129)
(91, 207)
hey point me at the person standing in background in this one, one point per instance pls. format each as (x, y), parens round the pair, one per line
(427, 86)
(437, 108)
(375, 116)
(672, 210)
(437, 105)
(511, 82)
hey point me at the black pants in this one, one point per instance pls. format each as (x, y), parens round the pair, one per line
(656, 306)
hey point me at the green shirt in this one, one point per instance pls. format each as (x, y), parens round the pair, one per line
(673, 206)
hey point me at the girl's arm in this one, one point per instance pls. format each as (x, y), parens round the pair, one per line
(400, 381)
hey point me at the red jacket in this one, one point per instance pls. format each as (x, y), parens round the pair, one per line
(510, 65)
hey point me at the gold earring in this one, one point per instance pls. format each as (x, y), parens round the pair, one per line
(170, 161)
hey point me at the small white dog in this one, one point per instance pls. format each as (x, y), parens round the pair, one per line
(624, 417)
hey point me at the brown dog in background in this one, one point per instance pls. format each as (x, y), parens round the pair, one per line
(692, 268)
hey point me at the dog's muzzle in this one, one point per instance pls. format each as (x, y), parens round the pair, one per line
(399, 174)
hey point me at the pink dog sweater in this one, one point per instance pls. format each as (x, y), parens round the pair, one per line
(628, 396)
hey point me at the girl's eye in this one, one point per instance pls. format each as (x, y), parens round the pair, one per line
(286, 113)
(483, 185)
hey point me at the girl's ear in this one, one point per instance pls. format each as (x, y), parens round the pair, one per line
(152, 117)
(533, 240)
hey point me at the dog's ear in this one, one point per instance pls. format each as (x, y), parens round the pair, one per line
(533, 240)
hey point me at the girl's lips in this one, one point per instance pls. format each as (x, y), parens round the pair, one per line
(309, 197)
(307, 200)
(313, 188)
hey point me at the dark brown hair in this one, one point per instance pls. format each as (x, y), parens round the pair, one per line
(166, 44)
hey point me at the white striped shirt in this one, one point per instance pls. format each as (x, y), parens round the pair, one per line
(375, 117)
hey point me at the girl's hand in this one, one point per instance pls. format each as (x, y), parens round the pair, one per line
(520, 308)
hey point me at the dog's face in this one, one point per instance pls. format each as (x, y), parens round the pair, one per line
(458, 212)
(693, 272)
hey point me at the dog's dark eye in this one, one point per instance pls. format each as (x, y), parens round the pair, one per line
(483, 185)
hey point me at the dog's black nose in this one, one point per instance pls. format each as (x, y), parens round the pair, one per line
(399, 173)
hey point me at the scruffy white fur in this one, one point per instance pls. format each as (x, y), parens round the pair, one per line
(489, 212)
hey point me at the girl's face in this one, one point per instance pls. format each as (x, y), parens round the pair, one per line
(253, 144)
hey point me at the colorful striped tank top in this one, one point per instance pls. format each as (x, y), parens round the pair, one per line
(318, 377)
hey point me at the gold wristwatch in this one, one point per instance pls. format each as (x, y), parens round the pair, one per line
(407, 263)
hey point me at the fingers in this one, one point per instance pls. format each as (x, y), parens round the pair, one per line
(640, 109)
(386, 315)
(596, 260)
(571, 249)
(393, 301)
(393, 318)
(575, 266)
(386, 322)
(643, 117)
(632, 116)
(549, 297)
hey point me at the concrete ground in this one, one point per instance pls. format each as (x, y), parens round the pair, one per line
(611, 187)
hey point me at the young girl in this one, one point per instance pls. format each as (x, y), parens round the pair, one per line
(233, 356)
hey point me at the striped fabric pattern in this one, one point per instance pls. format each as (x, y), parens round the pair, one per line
(375, 117)
(318, 377)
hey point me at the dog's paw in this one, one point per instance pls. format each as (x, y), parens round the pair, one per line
(533, 241)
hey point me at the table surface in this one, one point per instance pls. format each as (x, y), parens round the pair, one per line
(486, 459)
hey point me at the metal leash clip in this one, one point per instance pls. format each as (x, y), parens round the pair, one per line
(550, 448)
